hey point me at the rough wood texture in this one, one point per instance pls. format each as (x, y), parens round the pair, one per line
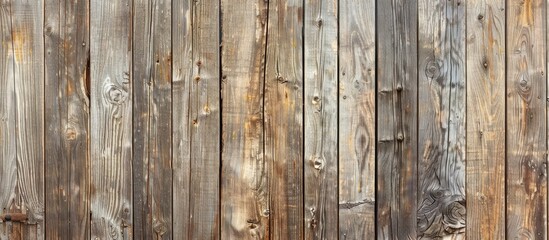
(397, 156)
(152, 112)
(320, 107)
(284, 118)
(441, 170)
(245, 195)
(485, 168)
(526, 168)
(67, 112)
(111, 119)
(357, 76)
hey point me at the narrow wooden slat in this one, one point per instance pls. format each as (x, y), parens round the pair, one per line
(356, 123)
(111, 119)
(526, 167)
(397, 119)
(284, 118)
(441, 170)
(244, 189)
(321, 129)
(152, 142)
(485, 168)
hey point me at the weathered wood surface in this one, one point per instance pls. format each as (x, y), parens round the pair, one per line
(152, 112)
(111, 119)
(244, 185)
(356, 123)
(67, 119)
(441, 89)
(397, 85)
(526, 123)
(485, 144)
(320, 119)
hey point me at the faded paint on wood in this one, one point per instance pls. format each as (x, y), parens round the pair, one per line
(320, 119)
(67, 112)
(485, 144)
(284, 118)
(244, 189)
(152, 112)
(356, 123)
(526, 169)
(441, 71)
(397, 156)
(111, 119)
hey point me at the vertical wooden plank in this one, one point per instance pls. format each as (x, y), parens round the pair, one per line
(320, 136)
(111, 119)
(485, 168)
(205, 129)
(67, 111)
(397, 119)
(152, 142)
(441, 170)
(526, 120)
(284, 118)
(357, 103)
(244, 189)
(181, 119)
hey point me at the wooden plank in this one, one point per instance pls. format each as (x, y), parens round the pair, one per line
(397, 119)
(485, 168)
(244, 189)
(357, 103)
(152, 143)
(526, 182)
(111, 119)
(441, 170)
(67, 113)
(283, 112)
(181, 119)
(321, 130)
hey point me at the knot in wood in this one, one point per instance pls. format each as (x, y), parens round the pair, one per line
(115, 94)
(400, 137)
(318, 163)
(433, 68)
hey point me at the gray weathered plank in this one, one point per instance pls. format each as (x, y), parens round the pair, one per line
(152, 112)
(485, 168)
(397, 156)
(320, 128)
(356, 123)
(441, 170)
(67, 112)
(244, 189)
(526, 182)
(111, 119)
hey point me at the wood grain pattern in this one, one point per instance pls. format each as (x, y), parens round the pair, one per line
(111, 119)
(441, 170)
(244, 189)
(485, 168)
(526, 182)
(284, 118)
(397, 109)
(67, 113)
(152, 112)
(356, 123)
(320, 108)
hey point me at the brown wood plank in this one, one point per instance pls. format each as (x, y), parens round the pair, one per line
(283, 114)
(244, 189)
(152, 142)
(321, 130)
(111, 119)
(526, 182)
(67, 113)
(397, 156)
(485, 168)
(357, 103)
(441, 170)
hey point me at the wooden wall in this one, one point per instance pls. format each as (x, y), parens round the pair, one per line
(273, 119)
